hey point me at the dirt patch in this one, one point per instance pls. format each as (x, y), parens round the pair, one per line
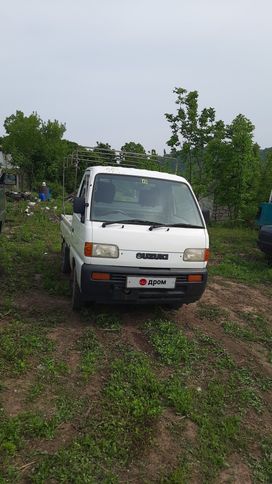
(159, 459)
(237, 473)
(190, 430)
(135, 338)
(231, 297)
(13, 395)
(65, 339)
(237, 297)
(65, 433)
(41, 301)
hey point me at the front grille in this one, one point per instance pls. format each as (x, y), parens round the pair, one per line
(181, 279)
(119, 279)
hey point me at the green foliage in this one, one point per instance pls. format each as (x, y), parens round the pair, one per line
(265, 185)
(20, 341)
(263, 467)
(191, 132)
(234, 255)
(131, 150)
(30, 254)
(108, 321)
(169, 342)
(36, 147)
(90, 352)
(130, 405)
(231, 327)
(210, 311)
(233, 167)
(219, 159)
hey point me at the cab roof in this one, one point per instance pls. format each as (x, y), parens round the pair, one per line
(119, 170)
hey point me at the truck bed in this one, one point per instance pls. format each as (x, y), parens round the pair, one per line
(65, 227)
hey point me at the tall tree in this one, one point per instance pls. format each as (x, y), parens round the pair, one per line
(191, 132)
(36, 146)
(104, 152)
(232, 166)
(265, 184)
(133, 153)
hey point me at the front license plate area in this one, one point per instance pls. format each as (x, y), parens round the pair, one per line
(151, 282)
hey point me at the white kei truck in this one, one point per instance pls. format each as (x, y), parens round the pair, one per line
(135, 236)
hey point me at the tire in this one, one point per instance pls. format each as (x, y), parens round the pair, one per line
(65, 259)
(76, 294)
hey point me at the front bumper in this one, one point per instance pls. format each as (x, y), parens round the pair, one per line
(114, 290)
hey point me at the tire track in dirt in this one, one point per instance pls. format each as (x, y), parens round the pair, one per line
(234, 298)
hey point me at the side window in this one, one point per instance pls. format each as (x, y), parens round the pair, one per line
(84, 187)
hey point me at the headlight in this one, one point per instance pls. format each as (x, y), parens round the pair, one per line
(105, 250)
(196, 255)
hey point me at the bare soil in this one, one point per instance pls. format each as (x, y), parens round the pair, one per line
(165, 451)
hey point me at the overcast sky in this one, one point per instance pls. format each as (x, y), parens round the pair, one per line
(107, 68)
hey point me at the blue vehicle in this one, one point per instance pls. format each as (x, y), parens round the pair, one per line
(264, 221)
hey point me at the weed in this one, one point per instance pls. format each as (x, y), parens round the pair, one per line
(130, 404)
(91, 352)
(35, 391)
(180, 396)
(261, 327)
(169, 342)
(232, 328)
(52, 368)
(210, 311)
(236, 256)
(263, 467)
(179, 475)
(108, 321)
(18, 343)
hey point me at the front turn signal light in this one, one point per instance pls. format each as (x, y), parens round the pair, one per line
(88, 249)
(195, 278)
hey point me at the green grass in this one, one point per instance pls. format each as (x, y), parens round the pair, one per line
(169, 342)
(111, 401)
(253, 328)
(91, 352)
(32, 251)
(234, 329)
(121, 424)
(217, 411)
(20, 342)
(234, 255)
(210, 311)
(263, 467)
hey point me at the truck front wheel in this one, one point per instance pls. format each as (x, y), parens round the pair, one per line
(76, 294)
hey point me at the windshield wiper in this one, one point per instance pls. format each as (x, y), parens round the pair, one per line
(189, 226)
(129, 221)
(153, 225)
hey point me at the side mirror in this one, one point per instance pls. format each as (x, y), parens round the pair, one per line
(206, 215)
(79, 205)
(8, 179)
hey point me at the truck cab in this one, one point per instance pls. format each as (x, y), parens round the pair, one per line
(135, 236)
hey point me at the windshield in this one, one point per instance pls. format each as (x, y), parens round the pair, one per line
(125, 197)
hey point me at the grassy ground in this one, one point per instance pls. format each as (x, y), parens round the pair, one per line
(133, 395)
